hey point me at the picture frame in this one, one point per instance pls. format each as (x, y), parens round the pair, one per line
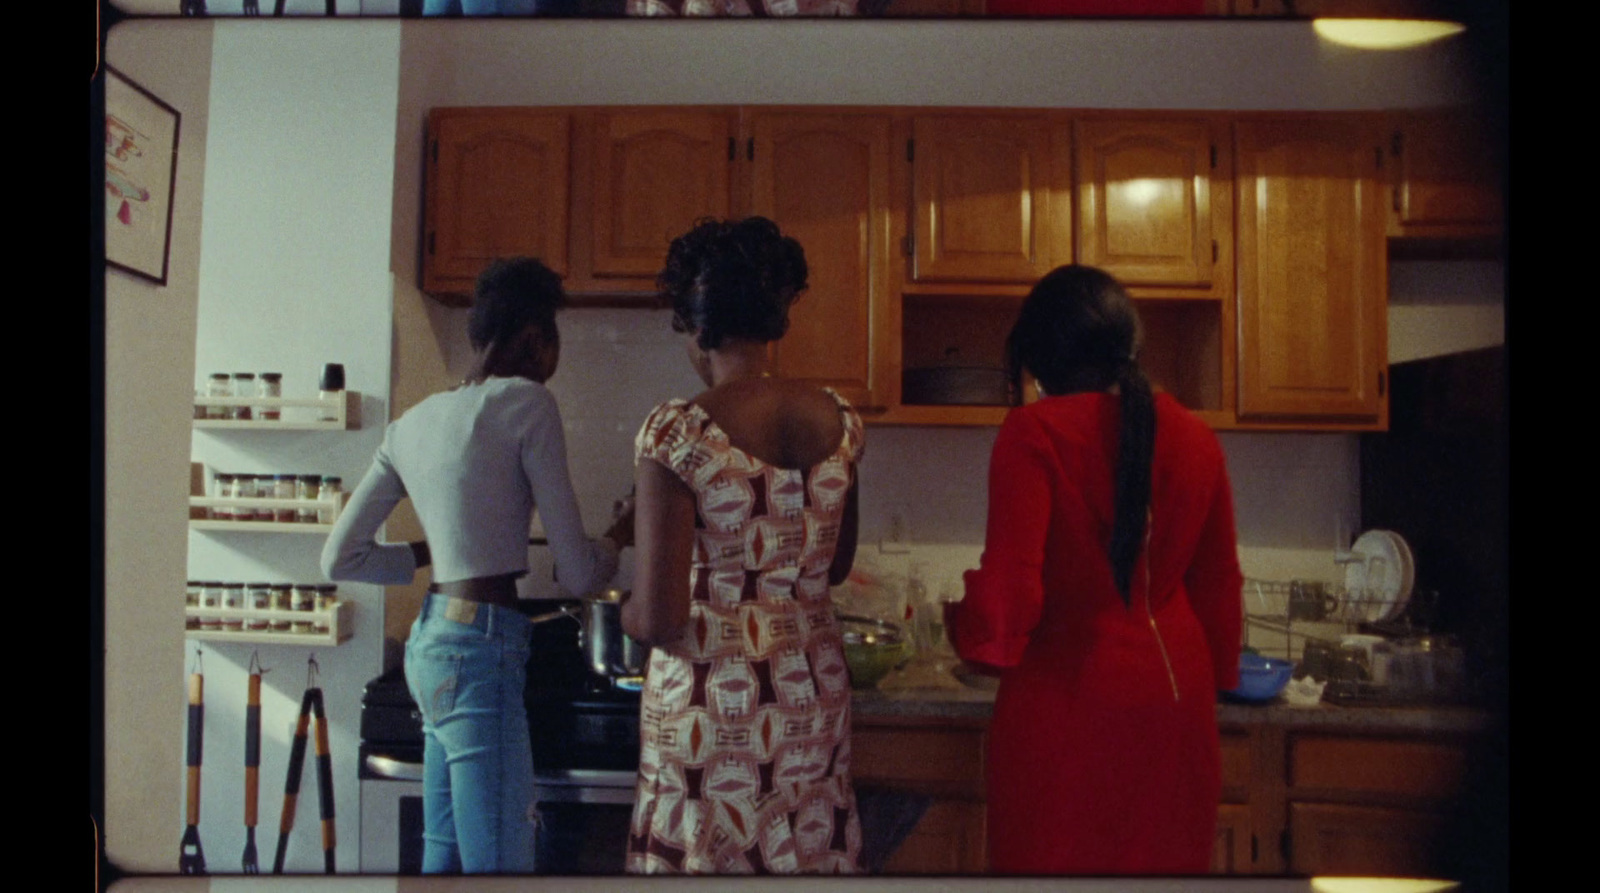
(141, 172)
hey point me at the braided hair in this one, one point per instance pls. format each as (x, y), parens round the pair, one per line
(1078, 331)
(732, 279)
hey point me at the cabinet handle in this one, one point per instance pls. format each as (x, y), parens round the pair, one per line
(430, 243)
(731, 149)
(750, 149)
(1377, 156)
(1216, 253)
(1213, 157)
(1255, 851)
(872, 410)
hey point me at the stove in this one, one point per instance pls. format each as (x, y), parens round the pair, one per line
(585, 738)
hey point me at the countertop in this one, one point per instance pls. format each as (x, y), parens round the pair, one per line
(971, 705)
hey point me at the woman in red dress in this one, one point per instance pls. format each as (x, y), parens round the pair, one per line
(1108, 602)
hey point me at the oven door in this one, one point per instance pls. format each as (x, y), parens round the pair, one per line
(391, 816)
(584, 817)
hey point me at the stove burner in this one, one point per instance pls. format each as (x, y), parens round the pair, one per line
(629, 683)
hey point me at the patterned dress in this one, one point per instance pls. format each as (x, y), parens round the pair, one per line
(744, 763)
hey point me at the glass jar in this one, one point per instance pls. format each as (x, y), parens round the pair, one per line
(328, 496)
(327, 600)
(244, 487)
(305, 600)
(282, 600)
(272, 387)
(331, 392)
(211, 596)
(224, 487)
(244, 385)
(306, 490)
(283, 487)
(260, 599)
(233, 599)
(220, 384)
(193, 596)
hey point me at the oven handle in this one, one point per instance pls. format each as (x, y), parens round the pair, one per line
(398, 770)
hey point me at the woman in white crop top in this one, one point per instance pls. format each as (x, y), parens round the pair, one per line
(476, 461)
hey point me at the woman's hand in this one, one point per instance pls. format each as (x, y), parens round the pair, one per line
(621, 530)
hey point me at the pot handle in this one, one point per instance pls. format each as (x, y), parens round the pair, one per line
(563, 611)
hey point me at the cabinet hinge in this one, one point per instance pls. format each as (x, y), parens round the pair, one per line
(1213, 157)
(911, 150)
(732, 147)
(750, 149)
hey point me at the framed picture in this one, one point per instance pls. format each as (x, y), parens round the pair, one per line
(141, 167)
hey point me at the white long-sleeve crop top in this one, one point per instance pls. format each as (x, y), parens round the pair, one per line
(475, 462)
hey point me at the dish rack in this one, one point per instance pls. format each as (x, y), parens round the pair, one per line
(1274, 629)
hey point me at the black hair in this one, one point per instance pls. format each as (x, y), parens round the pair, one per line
(513, 293)
(732, 279)
(1078, 331)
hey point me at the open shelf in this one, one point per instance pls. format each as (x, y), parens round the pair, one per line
(337, 618)
(339, 412)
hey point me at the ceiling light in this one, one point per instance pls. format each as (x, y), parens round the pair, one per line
(1384, 34)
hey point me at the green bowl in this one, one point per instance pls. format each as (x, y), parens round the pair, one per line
(871, 650)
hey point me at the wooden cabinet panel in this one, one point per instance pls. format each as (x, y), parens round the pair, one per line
(1369, 841)
(1312, 270)
(931, 759)
(1415, 768)
(1144, 199)
(1231, 854)
(497, 182)
(824, 178)
(653, 173)
(950, 839)
(1445, 179)
(982, 199)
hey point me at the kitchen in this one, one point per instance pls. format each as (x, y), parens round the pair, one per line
(322, 267)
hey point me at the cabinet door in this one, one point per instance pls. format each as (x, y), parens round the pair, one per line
(1231, 853)
(497, 186)
(1311, 270)
(981, 195)
(1446, 184)
(1144, 193)
(824, 178)
(652, 174)
(1370, 841)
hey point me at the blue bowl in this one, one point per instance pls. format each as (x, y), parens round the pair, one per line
(1261, 678)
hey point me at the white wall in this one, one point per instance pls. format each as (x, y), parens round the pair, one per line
(294, 274)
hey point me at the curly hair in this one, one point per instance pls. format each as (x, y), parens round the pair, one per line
(732, 279)
(1078, 331)
(513, 293)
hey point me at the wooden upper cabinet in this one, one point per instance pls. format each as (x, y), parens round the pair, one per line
(1312, 271)
(1145, 199)
(497, 182)
(643, 177)
(1445, 180)
(982, 188)
(824, 179)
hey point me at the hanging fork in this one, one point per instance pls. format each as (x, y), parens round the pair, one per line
(191, 858)
(252, 763)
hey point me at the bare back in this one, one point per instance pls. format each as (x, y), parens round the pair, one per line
(787, 424)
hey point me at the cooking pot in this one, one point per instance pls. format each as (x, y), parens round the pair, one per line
(610, 651)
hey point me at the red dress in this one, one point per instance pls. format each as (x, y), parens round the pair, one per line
(1103, 751)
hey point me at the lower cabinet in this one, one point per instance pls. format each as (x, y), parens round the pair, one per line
(1295, 802)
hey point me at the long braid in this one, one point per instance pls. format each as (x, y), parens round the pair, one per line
(1136, 441)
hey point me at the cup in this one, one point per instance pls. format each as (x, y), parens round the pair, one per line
(1317, 660)
(1310, 600)
(1376, 652)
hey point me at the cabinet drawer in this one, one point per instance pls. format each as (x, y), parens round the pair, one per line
(1235, 765)
(944, 762)
(948, 840)
(1416, 768)
(1371, 841)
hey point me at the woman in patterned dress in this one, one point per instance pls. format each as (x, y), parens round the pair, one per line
(746, 514)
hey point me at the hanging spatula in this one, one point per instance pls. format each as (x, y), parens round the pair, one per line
(191, 859)
(252, 768)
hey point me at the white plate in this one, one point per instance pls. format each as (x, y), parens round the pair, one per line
(1381, 574)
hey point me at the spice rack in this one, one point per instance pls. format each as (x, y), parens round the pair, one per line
(336, 617)
(199, 514)
(339, 411)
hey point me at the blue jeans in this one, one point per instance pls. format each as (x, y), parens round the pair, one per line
(479, 7)
(467, 675)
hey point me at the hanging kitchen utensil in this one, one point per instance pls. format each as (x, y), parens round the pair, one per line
(252, 763)
(311, 707)
(191, 858)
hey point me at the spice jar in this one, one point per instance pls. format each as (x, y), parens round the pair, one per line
(220, 384)
(331, 391)
(328, 496)
(224, 489)
(272, 387)
(306, 489)
(282, 600)
(283, 487)
(233, 600)
(260, 596)
(244, 385)
(211, 600)
(193, 595)
(327, 600)
(244, 487)
(305, 599)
